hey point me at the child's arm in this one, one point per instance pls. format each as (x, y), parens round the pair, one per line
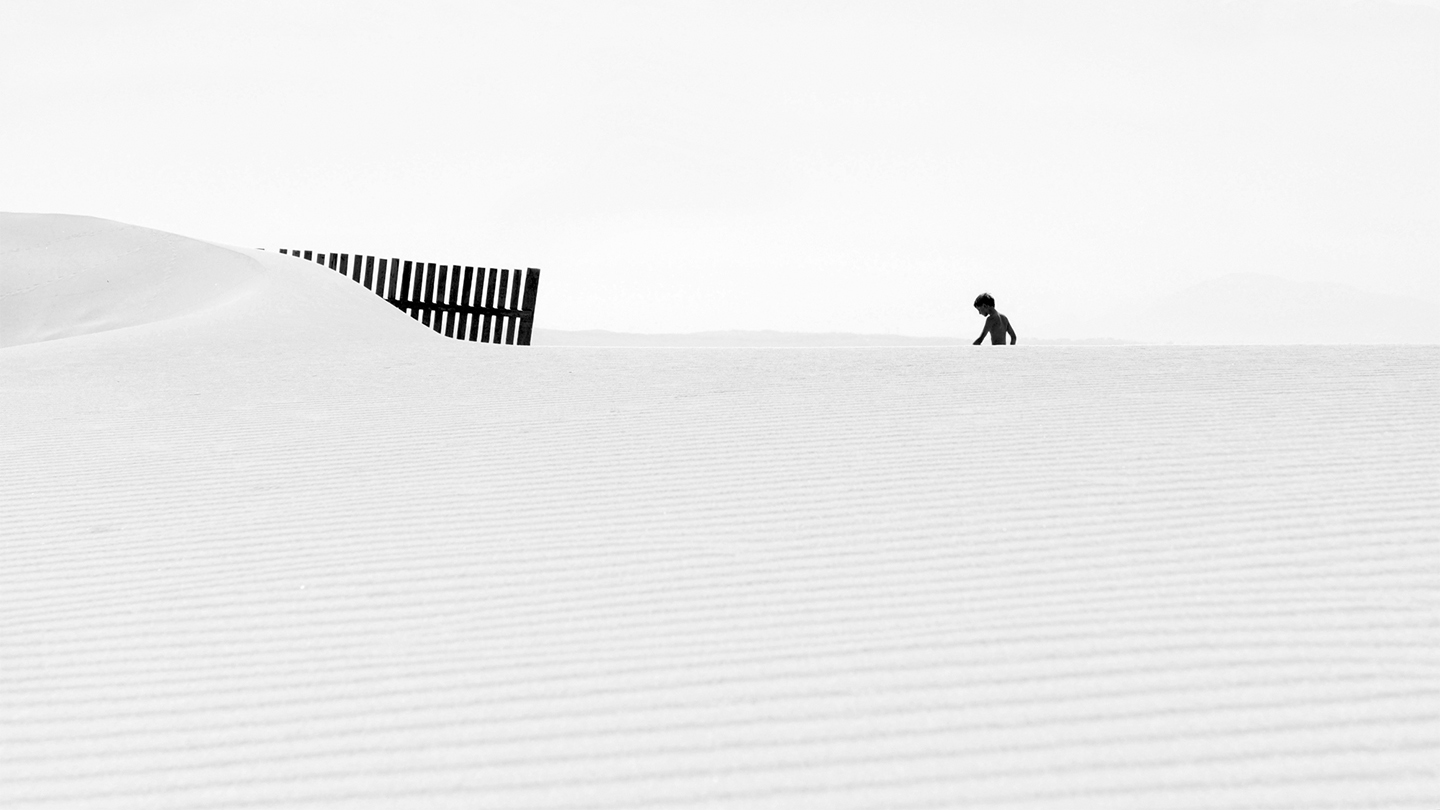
(1009, 329)
(985, 330)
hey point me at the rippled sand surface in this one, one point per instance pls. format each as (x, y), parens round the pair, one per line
(288, 549)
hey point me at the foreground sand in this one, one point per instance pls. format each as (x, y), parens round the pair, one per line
(285, 549)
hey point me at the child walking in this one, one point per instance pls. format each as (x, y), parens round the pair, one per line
(996, 325)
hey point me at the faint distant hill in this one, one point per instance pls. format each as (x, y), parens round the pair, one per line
(1238, 308)
(759, 338)
(1255, 308)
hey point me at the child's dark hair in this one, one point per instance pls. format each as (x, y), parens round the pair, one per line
(984, 299)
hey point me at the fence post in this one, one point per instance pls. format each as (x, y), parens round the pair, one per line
(527, 308)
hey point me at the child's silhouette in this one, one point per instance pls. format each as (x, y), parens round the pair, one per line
(996, 325)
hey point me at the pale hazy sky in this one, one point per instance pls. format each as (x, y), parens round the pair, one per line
(678, 166)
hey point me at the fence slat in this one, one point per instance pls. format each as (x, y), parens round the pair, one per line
(457, 294)
(431, 316)
(452, 320)
(406, 286)
(448, 278)
(480, 292)
(369, 272)
(466, 329)
(404, 295)
(398, 280)
(512, 305)
(418, 292)
(499, 334)
(501, 296)
(440, 288)
(425, 286)
(489, 304)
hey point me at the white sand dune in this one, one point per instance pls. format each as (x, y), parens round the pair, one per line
(65, 276)
(268, 543)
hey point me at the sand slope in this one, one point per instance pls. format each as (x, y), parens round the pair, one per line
(330, 569)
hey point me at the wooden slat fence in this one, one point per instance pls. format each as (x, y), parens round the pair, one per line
(465, 303)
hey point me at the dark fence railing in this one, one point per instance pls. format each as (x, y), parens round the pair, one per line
(466, 303)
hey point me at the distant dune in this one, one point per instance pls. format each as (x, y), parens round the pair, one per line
(1261, 309)
(1236, 309)
(767, 338)
(267, 543)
